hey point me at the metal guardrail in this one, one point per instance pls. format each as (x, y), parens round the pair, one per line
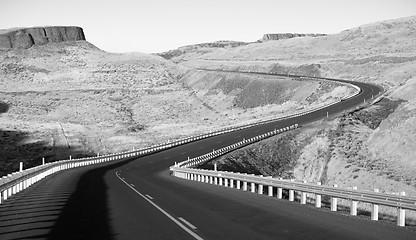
(185, 170)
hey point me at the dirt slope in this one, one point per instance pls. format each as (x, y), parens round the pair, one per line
(370, 148)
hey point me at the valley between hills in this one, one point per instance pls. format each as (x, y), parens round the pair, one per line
(67, 97)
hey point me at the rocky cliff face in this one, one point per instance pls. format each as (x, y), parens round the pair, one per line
(27, 37)
(278, 36)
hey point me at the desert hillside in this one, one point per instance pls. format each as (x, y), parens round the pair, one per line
(71, 98)
(369, 148)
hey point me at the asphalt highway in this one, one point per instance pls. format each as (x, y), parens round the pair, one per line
(139, 199)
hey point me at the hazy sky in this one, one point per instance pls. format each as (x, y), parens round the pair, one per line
(160, 25)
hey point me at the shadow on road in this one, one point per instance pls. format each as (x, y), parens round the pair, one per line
(86, 214)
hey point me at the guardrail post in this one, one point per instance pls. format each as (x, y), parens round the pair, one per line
(43, 161)
(215, 167)
(303, 196)
(354, 204)
(211, 179)
(318, 198)
(238, 184)
(334, 201)
(260, 190)
(253, 187)
(206, 179)
(401, 214)
(5, 194)
(374, 210)
(220, 181)
(225, 182)
(279, 193)
(270, 191)
(244, 186)
(231, 183)
(216, 180)
(291, 195)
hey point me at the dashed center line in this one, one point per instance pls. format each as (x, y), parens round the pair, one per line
(189, 231)
(187, 223)
(148, 196)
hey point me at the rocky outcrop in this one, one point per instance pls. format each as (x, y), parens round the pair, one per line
(26, 37)
(279, 36)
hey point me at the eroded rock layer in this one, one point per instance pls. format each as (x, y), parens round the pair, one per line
(27, 37)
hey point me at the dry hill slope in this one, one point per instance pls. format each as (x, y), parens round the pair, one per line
(371, 148)
(72, 98)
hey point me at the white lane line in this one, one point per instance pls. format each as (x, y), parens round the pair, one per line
(187, 223)
(148, 196)
(189, 231)
(132, 184)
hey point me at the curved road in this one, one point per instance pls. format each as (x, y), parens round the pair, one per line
(138, 199)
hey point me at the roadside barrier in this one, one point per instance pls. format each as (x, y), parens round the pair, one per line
(257, 184)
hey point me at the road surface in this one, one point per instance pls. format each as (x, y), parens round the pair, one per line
(138, 199)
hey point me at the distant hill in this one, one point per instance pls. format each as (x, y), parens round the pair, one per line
(192, 51)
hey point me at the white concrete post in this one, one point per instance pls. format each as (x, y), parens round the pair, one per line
(216, 180)
(43, 161)
(238, 184)
(231, 183)
(291, 195)
(270, 191)
(401, 214)
(244, 186)
(260, 190)
(225, 182)
(215, 167)
(21, 167)
(318, 198)
(70, 157)
(253, 187)
(303, 198)
(279, 193)
(220, 181)
(374, 210)
(334, 202)
(211, 180)
(354, 204)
